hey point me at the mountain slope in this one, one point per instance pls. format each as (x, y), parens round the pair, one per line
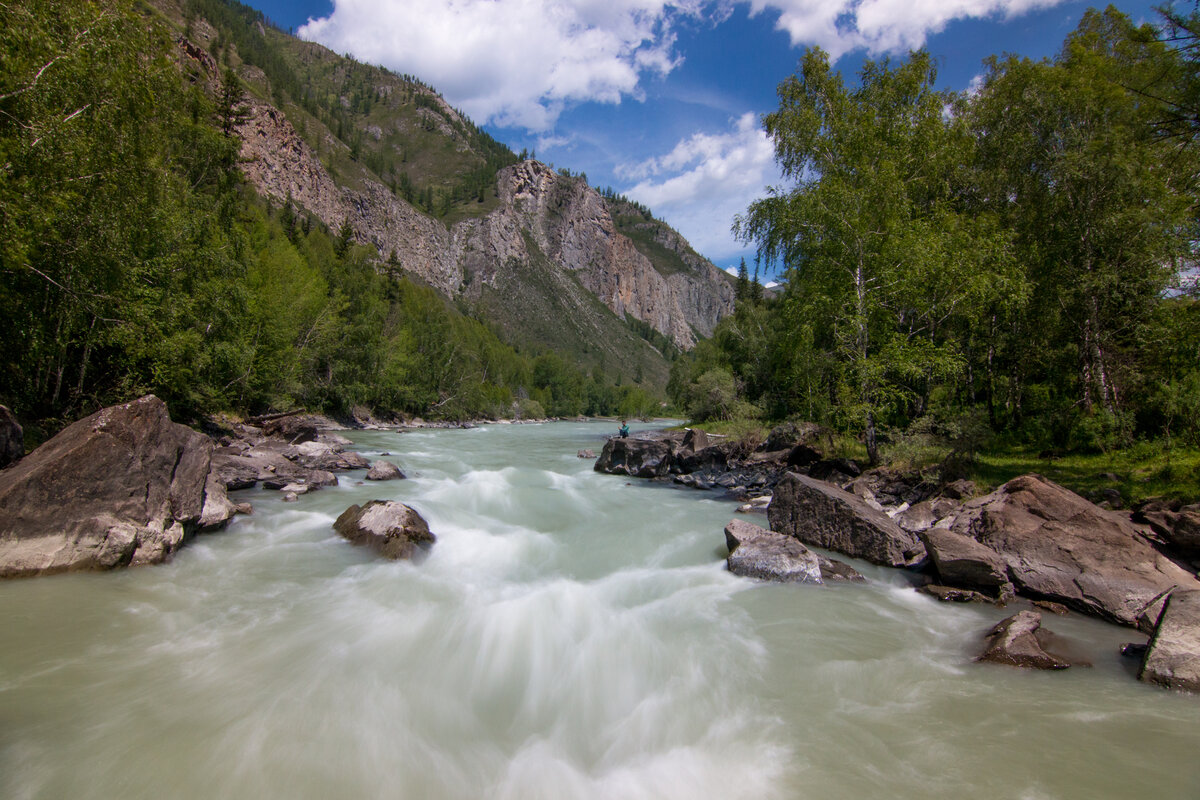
(350, 143)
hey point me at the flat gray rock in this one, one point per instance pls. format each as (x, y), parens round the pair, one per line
(756, 552)
(1173, 657)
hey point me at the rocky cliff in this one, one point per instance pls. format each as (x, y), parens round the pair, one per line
(566, 220)
(533, 213)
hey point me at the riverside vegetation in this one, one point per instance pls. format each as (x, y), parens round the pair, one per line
(1008, 270)
(136, 258)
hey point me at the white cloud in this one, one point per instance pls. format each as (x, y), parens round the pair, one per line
(879, 26)
(511, 62)
(704, 181)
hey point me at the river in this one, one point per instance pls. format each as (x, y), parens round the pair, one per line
(572, 635)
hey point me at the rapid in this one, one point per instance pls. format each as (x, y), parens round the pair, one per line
(571, 635)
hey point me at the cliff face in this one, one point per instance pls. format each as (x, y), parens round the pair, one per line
(565, 219)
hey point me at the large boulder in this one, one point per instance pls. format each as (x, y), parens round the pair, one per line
(822, 515)
(1019, 642)
(964, 563)
(123, 486)
(12, 438)
(1173, 657)
(1058, 546)
(638, 458)
(393, 529)
(755, 552)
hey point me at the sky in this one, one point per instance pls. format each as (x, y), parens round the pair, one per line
(662, 100)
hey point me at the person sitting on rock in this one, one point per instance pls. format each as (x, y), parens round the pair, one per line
(624, 429)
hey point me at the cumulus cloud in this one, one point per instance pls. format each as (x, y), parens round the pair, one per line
(878, 26)
(704, 181)
(512, 62)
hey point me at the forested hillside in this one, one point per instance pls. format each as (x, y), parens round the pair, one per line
(1016, 261)
(134, 258)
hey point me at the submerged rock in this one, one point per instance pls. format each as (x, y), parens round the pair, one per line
(1019, 642)
(1057, 546)
(822, 515)
(756, 552)
(1173, 655)
(393, 529)
(123, 486)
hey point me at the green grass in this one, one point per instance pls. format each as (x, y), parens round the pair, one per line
(1139, 472)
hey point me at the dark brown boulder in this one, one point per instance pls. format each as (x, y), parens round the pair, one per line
(1019, 642)
(964, 563)
(123, 486)
(1058, 546)
(1173, 656)
(294, 429)
(393, 529)
(638, 458)
(755, 552)
(822, 515)
(1178, 529)
(12, 438)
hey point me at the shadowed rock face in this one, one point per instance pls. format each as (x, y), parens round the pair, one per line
(1173, 657)
(123, 486)
(12, 438)
(822, 515)
(638, 458)
(1058, 546)
(392, 529)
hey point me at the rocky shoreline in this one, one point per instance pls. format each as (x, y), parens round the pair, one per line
(1030, 539)
(127, 486)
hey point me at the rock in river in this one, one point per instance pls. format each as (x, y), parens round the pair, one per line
(393, 529)
(384, 471)
(638, 458)
(123, 486)
(822, 515)
(1173, 657)
(756, 552)
(1019, 642)
(964, 563)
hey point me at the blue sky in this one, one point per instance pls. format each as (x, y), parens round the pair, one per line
(661, 99)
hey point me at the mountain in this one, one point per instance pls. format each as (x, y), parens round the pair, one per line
(536, 251)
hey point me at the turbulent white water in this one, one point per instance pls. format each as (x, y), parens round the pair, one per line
(572, 635)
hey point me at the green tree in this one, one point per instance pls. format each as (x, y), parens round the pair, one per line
(870, 232)
(1100, 208)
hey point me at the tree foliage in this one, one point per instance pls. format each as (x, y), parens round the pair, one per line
(1012, 255)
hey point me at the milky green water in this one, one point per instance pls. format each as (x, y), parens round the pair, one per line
(572, 635)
